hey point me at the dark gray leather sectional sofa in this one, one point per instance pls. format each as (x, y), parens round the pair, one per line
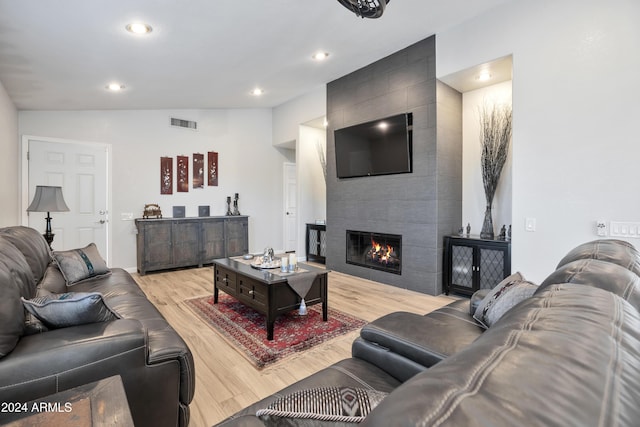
(567, 356)
(153, 361)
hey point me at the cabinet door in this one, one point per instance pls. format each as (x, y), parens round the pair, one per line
(212, 235)
(462, 267)
(158, 252)
(237, 236)
(186, 247)
(323, 243)
(492, 266)
(314, 241)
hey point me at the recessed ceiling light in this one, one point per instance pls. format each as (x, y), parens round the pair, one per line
(484, 76)
(257, 92)
(139, 28)
(115, 87)
(320, 56)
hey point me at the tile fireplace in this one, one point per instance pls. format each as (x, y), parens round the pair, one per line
(379, 251)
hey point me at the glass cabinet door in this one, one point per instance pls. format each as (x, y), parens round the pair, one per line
(491, 267)
(462, 266)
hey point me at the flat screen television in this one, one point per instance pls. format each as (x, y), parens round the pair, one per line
(379, 147)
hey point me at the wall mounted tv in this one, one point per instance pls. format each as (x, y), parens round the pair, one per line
(379, 147)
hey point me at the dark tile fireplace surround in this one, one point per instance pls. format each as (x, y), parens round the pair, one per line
(422, 206)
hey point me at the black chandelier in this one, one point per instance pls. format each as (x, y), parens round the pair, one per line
(366, 8)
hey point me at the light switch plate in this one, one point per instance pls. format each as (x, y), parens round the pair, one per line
(530, 224)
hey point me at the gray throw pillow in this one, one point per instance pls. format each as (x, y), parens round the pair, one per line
(80, 264)
(502, 298)
(331, 404)
(70, 309)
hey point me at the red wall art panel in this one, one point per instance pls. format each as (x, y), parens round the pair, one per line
(198, 170)
(166, 175)
(212, 170)
(183, 174)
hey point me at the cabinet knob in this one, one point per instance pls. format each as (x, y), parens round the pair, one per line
(251, 292)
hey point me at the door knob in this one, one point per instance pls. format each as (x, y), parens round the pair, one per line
(102, 221)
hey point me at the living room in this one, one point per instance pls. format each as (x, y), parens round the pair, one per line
(573, 145)
(559, 98)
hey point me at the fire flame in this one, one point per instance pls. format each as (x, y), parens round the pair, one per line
(381, 252)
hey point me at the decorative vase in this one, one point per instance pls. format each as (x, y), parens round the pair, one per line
(487, 225)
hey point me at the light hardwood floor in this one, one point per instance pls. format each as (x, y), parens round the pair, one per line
(227, 382)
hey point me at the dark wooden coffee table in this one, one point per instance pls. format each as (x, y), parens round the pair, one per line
(266, 291)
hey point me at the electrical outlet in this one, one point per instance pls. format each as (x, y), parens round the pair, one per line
(126, 216)
(601, 228)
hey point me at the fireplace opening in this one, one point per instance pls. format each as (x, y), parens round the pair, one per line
(379, 251)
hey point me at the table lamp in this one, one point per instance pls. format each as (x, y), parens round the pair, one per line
(48, 199)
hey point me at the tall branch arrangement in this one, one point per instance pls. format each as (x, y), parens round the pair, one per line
(323, 160)
(495, 135)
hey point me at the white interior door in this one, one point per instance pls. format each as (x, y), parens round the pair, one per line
(81, 170)
(290, 207)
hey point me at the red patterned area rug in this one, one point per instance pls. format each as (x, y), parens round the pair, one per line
(246, 328)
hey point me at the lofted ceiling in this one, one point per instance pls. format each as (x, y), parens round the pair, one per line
(61, 54)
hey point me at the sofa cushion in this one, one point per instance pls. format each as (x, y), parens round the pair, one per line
(599, 274)
(502, 298)
(81, 264)
(70, 309)
(346, 373)
(615, 251)
(343, 404)
(16, 281)
(53, 282)
(33, 247)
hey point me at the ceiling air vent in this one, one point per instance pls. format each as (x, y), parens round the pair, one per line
(186, 124)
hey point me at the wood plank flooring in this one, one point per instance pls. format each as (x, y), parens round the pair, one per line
(227, 382)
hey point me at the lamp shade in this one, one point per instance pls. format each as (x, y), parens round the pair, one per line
(48, 199)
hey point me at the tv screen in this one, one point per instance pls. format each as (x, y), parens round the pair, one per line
(379, 147)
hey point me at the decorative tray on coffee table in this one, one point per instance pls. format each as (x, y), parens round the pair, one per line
(261, 265)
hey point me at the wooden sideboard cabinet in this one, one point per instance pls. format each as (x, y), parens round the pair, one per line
(316, 243)
(472, 263)
(185, 242)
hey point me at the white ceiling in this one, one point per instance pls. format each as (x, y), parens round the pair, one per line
(60, 54)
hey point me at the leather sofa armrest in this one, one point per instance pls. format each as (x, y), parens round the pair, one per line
(61, 359)
(398, 366)
(425, 340)
(406, 334)
(165, 345)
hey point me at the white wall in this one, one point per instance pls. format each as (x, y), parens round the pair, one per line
(288, 116)
(9, 189)
(575, 110)
(473, 199)
(312, 194)
(289, 131)
(248, 164)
